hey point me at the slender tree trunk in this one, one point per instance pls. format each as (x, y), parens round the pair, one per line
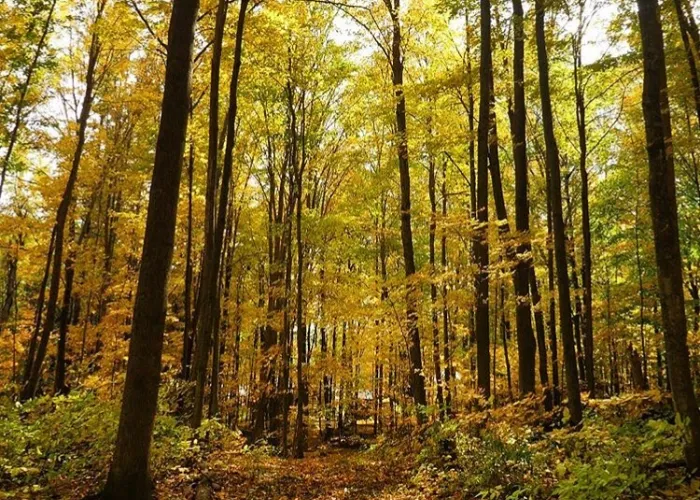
(209, 287)
(129, 475)
(440, 400)
(664, 210)
(39, 310)
(552, 160)
(571, 255)
(552, 321)
(188, 337)
(472, 188)
(417, 377)
(69, 301)
(690, 53)
(481, 246)
(30, 388)
(587, 316)
(541, 342)
(640, 283)
(445, 319)
(299, 432)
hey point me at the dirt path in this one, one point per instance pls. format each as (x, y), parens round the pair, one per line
(336, 474)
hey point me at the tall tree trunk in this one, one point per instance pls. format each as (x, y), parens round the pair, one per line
(187, 334)
(523, 314)
(481, 246)
(541, 342)
(417, 377)
(571, 254)
(552, 321)
(440, 400)
(640, 283)
(299, 432)
(30, 388)
(33, 343)
(664, 210)
(587, 316)
(552, 160)
(472, 186)
(59, 386)
(445, 315)
(129, 475)
(209, 287)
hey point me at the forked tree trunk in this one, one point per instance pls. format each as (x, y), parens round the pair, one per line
(664, 212)
(129, 475)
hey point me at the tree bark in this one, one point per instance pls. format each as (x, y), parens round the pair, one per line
(209, 287)
(129, 475)
(440, 400)
(552, 160)
(664, 210)
(417, 377)
(523, 258)
(187, 334)
(587, 316)
(481, 246)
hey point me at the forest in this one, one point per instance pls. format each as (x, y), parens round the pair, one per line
(349, 249)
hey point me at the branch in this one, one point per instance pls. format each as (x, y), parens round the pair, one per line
(148, 25)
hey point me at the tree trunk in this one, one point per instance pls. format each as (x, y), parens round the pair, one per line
(481, 246)
(541, 342)
(440, 400)
(187, 334)
(664, 210)
(523, 257)
(552, 159)
(571, 255)
(587, 316)
(690, 55)
(552, 321)
(129, 475)
(209, 287)
(39, 310)
(417, 377)
(445, 323)
(30, 388)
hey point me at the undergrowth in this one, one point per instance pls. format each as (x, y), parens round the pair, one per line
(628, 448)
(52, 446)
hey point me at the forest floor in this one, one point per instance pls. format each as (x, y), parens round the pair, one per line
(327, 475)
(629, 447)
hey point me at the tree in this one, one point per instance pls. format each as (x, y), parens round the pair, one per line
(526, 339)
(662, 197)
(481, 245)
(129, 475)
(417, 377)
(552, 161)
(209, 291)
(31, 384)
